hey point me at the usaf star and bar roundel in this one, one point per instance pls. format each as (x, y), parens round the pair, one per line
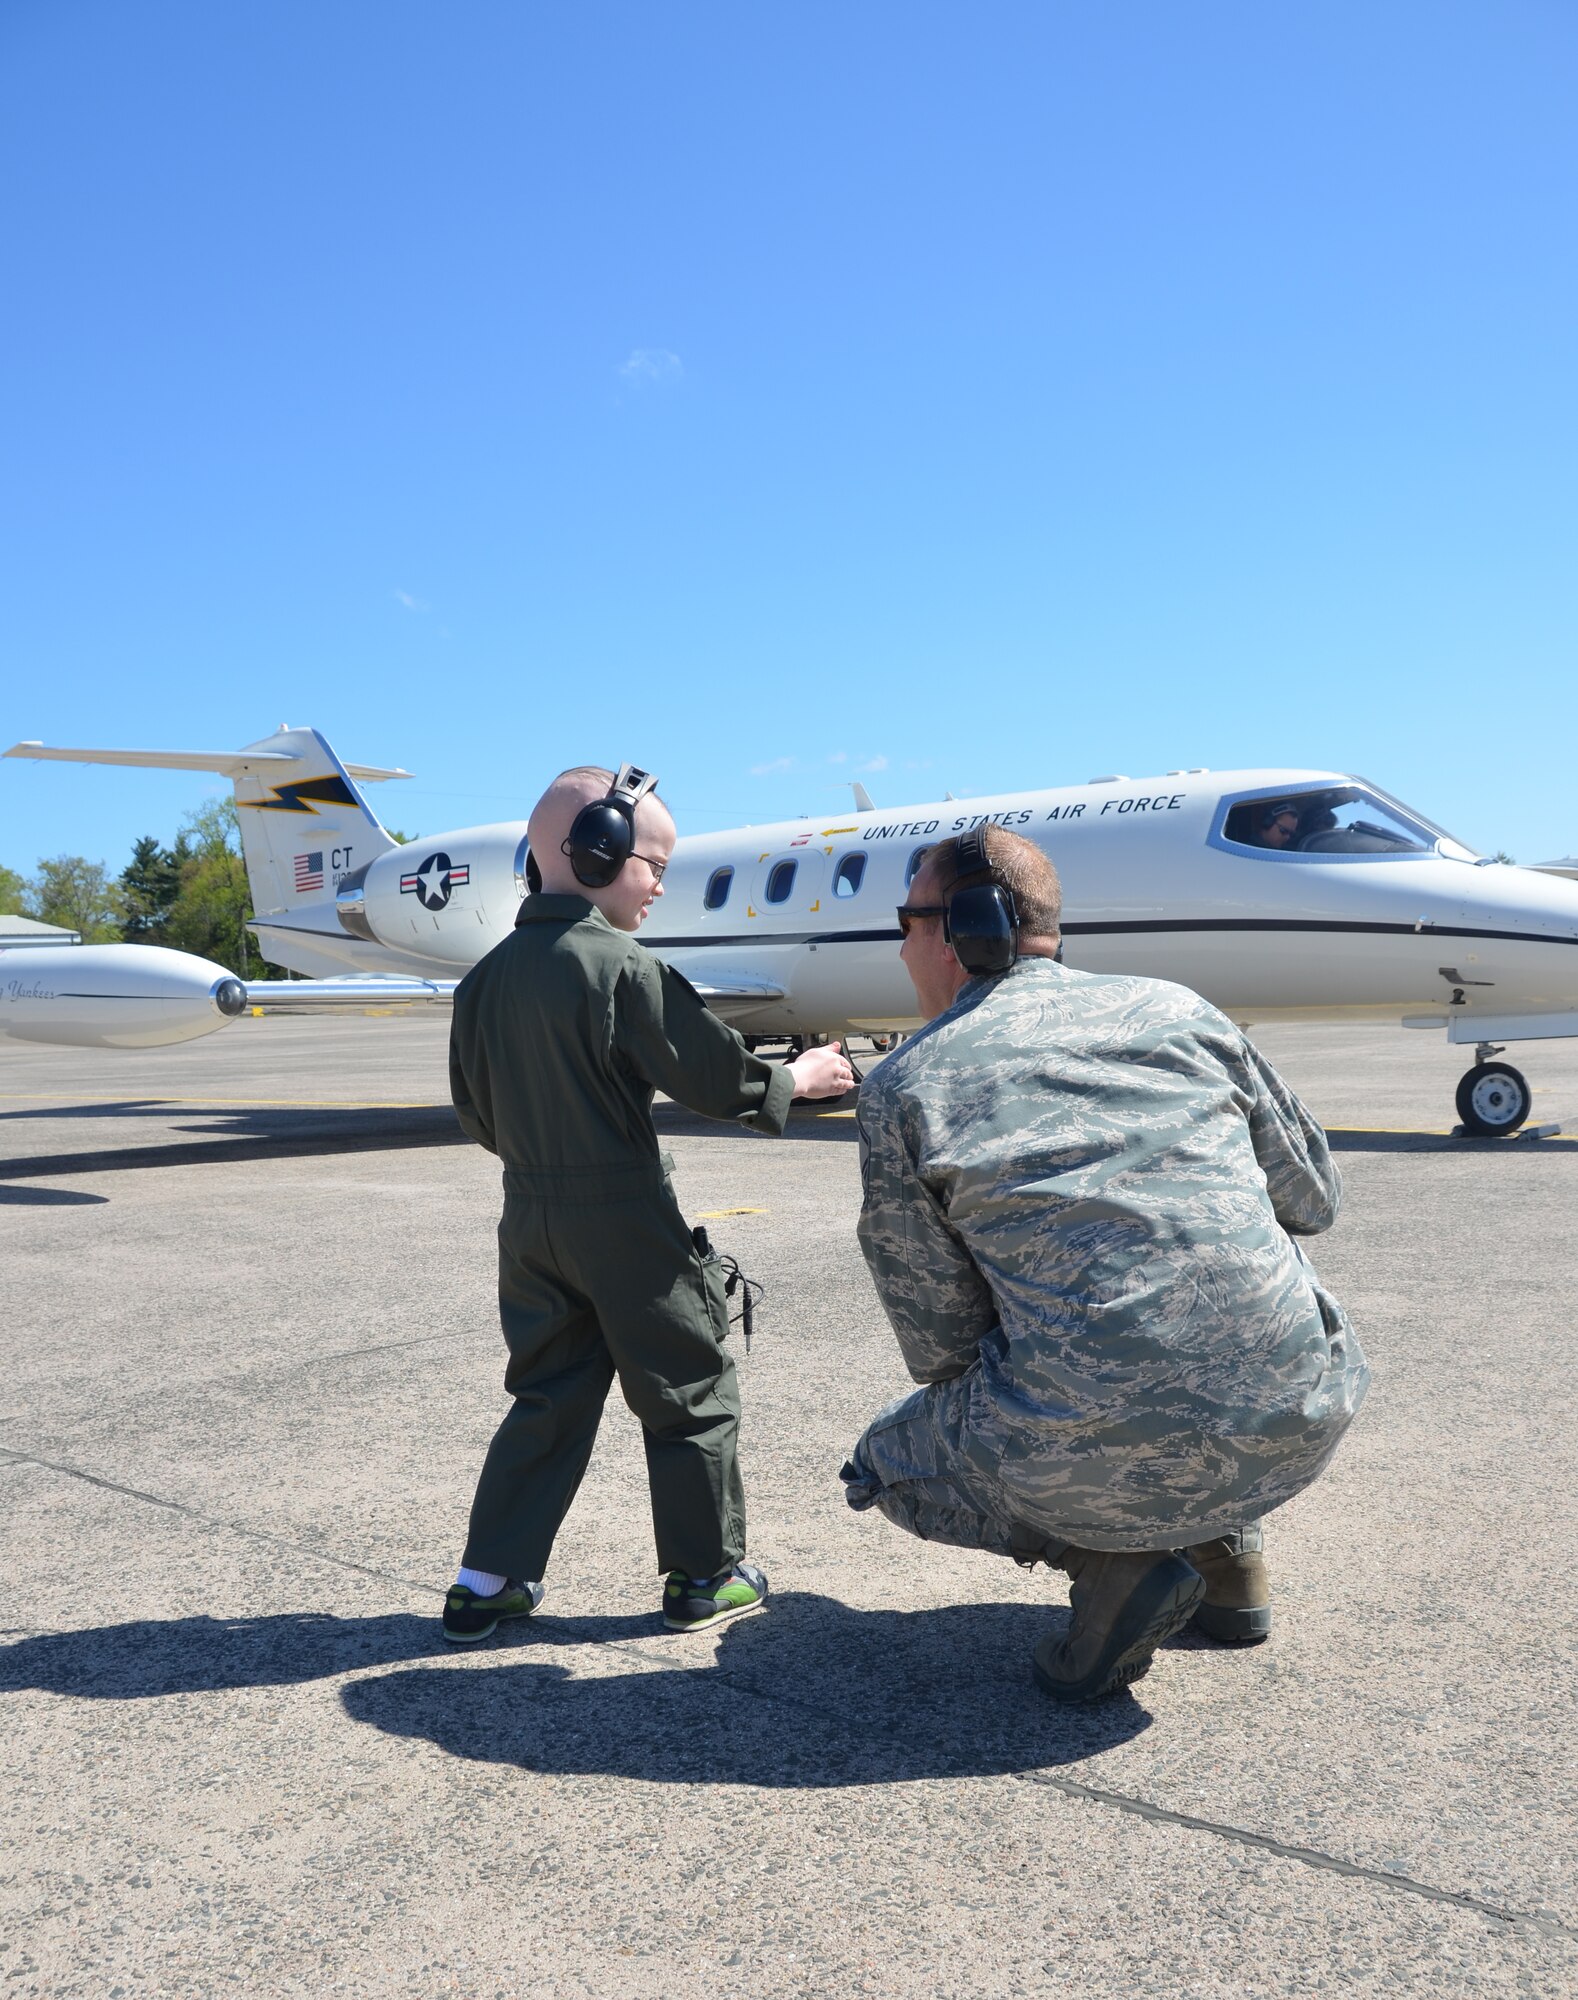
(433, 882)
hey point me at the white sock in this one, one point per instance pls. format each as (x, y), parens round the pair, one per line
(485, 1582)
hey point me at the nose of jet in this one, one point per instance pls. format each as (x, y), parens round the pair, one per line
(1514, 942)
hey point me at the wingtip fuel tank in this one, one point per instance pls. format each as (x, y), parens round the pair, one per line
(114, 996)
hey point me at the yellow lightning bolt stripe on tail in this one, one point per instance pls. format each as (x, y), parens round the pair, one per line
(304, 797)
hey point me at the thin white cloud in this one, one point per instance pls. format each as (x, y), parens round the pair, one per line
(411, 603)
(767, 770)
(650, 364)
(839, 757)
(873, 764)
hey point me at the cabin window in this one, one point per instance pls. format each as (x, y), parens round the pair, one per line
(912, 866)
(719, 882)
(1324, 821)
(850, 874)
(780, 882)
(527, 880)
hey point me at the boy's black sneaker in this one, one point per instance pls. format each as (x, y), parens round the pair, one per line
(468, 1617)
(692, 1603)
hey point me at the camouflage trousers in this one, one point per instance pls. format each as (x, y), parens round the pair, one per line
(915, 1466)
(924, 1466)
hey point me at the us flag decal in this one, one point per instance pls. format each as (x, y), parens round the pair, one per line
(309, 872)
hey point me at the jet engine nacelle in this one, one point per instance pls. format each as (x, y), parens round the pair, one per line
(450, 898)
(113, 996)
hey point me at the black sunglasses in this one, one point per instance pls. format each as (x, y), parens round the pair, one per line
(908, 912)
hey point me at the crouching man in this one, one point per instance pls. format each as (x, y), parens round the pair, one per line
(1081, 1195)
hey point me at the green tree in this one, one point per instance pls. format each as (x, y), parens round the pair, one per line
(208, 915)
(79, 895)
(150, 883)
(211, 828)
(404, 839)
(13, 892)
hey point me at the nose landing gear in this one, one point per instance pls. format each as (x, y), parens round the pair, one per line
(1493, 1099)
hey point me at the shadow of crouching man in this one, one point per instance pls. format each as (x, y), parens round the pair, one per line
(810, 1694)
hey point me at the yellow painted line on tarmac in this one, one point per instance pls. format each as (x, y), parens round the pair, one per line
(244, 1103)
(1442, 1132)
(718, 1214)
(1396, 1131)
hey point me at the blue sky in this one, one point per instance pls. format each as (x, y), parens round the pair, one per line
(966, 398)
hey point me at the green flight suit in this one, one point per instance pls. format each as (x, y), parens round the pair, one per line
(561, 1035)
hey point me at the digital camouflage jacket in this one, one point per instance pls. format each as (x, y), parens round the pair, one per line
(1081, 1191)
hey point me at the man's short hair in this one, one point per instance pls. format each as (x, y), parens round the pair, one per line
(1018, 866)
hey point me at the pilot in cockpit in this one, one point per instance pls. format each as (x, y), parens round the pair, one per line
(1277, 824)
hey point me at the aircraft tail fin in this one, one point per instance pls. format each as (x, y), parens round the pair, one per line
(302, 826)
(304, 823)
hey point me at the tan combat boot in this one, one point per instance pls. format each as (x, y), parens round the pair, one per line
(1125, 1603)
(1237, 1605)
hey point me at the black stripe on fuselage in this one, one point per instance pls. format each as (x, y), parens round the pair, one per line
(1147, 926)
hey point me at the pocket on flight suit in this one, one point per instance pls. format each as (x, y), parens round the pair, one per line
(714, 1283)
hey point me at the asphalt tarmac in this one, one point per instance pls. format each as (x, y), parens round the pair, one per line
(250, 1364)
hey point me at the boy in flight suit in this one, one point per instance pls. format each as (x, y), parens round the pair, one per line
(561, 1035)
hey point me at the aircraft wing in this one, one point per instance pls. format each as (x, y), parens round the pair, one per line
(228, 763)
(735, 997)
(295, 996)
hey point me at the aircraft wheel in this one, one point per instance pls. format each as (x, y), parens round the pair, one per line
(1493, 1099)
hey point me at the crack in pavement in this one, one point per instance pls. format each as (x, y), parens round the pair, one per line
(1310, 1857)
(9, 1455)
(1124, 1802)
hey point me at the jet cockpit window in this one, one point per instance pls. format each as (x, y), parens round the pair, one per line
(780, 882)
(851, 872)
(719, 882)
(1325, 821)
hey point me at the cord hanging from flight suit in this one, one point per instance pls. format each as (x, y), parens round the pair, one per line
(734, 1281)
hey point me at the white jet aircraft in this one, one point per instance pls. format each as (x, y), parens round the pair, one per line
(1278, 894)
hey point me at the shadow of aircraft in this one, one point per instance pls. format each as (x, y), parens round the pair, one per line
(37, 1197)
(1347, 1139)
(253, 1133)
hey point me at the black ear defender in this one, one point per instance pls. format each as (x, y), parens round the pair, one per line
(603, 835)
(981, 922)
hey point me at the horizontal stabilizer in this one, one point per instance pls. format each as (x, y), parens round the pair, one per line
(295, 996)
(227, 763)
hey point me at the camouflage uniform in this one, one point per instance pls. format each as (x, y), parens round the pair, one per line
(1080, 1198)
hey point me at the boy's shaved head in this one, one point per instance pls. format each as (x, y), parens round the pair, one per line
(549, 828)
(554, 813)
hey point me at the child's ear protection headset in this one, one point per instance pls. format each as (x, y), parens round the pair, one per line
(981, 920)
(603, 835)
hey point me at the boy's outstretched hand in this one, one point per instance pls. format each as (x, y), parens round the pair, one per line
(822, 1072)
